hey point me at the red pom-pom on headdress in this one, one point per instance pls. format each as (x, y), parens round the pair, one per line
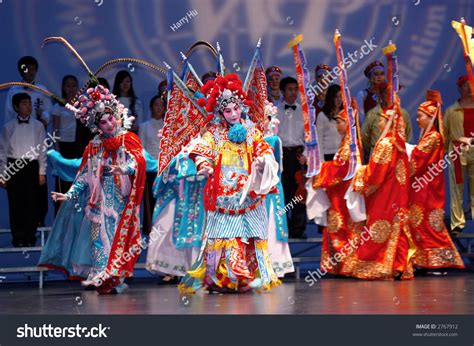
(202, 102)
(215, 91)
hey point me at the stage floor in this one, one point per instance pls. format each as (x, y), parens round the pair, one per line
(453, 294)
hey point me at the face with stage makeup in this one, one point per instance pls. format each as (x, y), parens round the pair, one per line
(423, 120)
(232, 112)
(108, 124)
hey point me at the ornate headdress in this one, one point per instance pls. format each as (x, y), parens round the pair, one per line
(432, 108)
(222, 91)
(372, 67)
(97, 102)
(321, 69)
(190, 111)
(273, 70)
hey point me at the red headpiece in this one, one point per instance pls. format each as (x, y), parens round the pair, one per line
(273, 70)
(222, 91)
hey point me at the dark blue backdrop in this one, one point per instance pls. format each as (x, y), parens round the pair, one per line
(429, 50)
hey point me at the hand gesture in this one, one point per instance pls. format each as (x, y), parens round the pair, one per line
(58, 197)
(206, 170)
(116, 170)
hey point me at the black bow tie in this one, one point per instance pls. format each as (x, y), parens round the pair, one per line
(21, 121)
(292, 107)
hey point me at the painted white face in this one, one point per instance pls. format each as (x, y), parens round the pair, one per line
(232, 113)
(108, 124)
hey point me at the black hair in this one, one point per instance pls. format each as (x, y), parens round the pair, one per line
(329, 103)
(154, 98)
(104, 82)
(65, 79)
(17, 98)
(119, 77)
(26, 61)
(285, 81)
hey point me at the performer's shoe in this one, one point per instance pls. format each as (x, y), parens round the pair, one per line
(119, 289)
(256, 283)
(437, 273)
(30, 242)
(18, 243)
(87, 283)
(421, 272)
(214, 288)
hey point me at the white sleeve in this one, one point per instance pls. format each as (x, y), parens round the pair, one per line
(262, 181)
(355, 203)
(409, 148)
(317, 204)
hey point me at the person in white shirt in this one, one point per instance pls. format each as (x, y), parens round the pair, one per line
(64, 126)
(291, 132)
(23, 169)
(148, 133)
(41, 111)
(328, 137)
(28, 68)
(64, 121)
(123, 89)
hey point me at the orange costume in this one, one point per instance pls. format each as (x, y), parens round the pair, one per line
(384, 181)
(435, 248)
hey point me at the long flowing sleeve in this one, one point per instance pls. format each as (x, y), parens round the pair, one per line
(330, 175)
(263, 180)
(425, 153)
(65, 169)
(369, 177)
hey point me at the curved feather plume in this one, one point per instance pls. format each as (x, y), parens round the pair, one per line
(109, 63)
(73, 50)
(202, 43)
(32, 86)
